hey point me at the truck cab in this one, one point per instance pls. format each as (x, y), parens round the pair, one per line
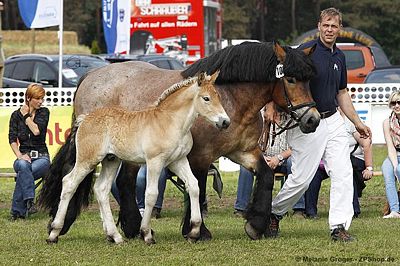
(360, 60)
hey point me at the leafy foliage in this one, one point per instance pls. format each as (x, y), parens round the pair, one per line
(247, 19)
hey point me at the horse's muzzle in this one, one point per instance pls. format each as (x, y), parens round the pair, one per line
(309, 122)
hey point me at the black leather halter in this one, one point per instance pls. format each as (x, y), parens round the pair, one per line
(295, 117)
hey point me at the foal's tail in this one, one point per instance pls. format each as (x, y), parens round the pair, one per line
(62, 164)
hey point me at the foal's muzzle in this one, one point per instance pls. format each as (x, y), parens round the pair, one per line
(223, 123)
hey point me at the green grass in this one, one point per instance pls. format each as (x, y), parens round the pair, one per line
(23, 242)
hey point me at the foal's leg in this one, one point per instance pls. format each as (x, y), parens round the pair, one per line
(182, 169)
(154, 169)
(201, 174)
(69, 185)
(102, 188)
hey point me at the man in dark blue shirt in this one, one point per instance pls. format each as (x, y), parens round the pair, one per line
(329, 141)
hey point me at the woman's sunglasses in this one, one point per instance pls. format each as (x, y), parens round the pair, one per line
(393, 103)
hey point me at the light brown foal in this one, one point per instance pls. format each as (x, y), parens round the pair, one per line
(159, 136)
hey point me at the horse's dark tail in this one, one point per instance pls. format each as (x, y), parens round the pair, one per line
(49, 195)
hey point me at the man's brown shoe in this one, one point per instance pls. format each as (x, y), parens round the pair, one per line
(273, 231)
(340, 234)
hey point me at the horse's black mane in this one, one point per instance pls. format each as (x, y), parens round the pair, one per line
(252, 62)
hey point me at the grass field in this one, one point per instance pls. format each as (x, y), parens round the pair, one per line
(301, 241)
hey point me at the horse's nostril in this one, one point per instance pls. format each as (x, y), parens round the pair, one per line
(312, 121)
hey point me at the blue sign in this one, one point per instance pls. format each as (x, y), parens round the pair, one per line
(110, 24)
(116, 25)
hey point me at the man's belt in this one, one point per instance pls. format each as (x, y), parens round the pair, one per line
(35, 154)
(327, 114)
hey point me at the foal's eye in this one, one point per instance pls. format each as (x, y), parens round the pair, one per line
(206, 98)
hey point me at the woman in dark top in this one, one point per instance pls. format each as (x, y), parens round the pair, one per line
(27, 138)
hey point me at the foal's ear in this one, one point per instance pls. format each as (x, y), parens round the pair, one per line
(310, 50)
(201, 78)
(214, 76)
(279, 52)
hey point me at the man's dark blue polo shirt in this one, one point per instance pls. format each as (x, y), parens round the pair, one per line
(331, 75)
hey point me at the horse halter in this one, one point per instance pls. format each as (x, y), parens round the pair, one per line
(294, 116)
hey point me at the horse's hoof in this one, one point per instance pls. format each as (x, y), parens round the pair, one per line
(192, 239)
(50, 241)
(150, 241)
(205, 234)
(251, 232)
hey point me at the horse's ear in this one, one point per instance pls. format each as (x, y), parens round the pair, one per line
(214, 76)
(201, 77)
(310, 50)
(279, 52)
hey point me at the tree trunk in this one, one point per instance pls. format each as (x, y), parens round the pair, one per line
(294, 28)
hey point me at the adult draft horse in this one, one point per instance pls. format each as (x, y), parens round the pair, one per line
(159, 136)
(246, 83)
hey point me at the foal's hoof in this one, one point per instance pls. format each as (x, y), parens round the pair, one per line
(148, 240)
(251, 232)
(50, 241)
(116, 241)
(110, 239)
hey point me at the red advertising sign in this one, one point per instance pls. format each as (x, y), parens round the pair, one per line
(170, 26)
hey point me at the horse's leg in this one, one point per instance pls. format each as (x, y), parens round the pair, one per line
(69, 186)
(201, 176)
(182, 169)
(259, 209)
(102, 188)
(154, 168)
(129, 215)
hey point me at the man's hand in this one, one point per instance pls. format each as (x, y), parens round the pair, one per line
(365, 132)
(272, 162)
(367, 174)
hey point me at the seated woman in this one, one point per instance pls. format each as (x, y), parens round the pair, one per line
(27, 138)
(390, 166)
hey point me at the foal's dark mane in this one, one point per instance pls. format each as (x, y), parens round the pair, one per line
(252, 62)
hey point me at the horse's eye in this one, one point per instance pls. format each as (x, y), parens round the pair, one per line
(206, 98)
(291, 80)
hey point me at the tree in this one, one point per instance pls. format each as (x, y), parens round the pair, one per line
(236, 19)
(378, 19)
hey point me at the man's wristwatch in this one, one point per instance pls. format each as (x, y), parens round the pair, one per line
(369, 168)
(280, 158)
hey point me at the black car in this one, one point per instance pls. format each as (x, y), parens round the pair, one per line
(384, 75)
(161, 61)
(21, 70)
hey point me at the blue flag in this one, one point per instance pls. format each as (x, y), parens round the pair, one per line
(40, 13)
(116, 25)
